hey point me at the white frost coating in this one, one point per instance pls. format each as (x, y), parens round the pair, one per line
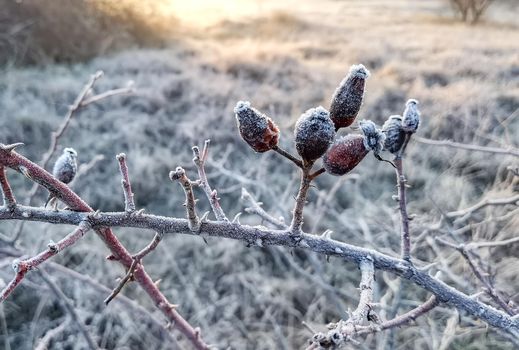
(411, 116)
(259, 242)
(241, 106)
(373, 137)
(304, 244)
(25, 214)
(360, 71)
(338, 250)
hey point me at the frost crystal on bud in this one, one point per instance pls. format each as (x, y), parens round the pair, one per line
(373, 137)
(314, 132)
(65, 167)
(395, 135)
(348, 96)
(258, 130)
(345, 154)
(411, 116)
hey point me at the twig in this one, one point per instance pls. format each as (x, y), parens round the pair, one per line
(402, 203)
(447, 143)
(255, 208)
(317, 173)
(129, 204)
(484, 203)
(137, 258)
(180, 175)
(67, 305)
(22, 267)
(199, 161)
(297, 213)
(489, 288)
(7, 193)
(288, 156)
(44, 342)
(505, 242)
(345, 330)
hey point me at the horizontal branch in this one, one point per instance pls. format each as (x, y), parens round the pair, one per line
(484, 203)
(262, 236)
(511, 151)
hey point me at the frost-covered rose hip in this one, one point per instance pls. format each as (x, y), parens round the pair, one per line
(411, 116)
(314, 132)
(258, 130)
(348, 96)
(345, 154)
(395, 135)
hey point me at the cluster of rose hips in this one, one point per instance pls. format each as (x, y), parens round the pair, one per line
(316, 129)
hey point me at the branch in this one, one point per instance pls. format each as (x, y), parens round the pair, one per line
(255, 208)
(511, 151)
(67, 305)
(199, 161)
(321, 245)
(288, 156)
(344, 331)
(73, 201)
(44, 342)
(129, 204)
(484, 203)
(180, 175)
(22, 267)
(402, 203)
(137, 259)
(297, 213)
(489, 288)
(7, 193)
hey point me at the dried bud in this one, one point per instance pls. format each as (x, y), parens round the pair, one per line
(347, 99)
(314, 132)
(258, 130)
(373, 137)
(411, 116)
(65, 167)
(345, 154)
(395, 135)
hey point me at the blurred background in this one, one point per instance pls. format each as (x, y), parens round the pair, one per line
(190, 62)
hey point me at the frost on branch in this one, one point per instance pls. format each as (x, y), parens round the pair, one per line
(348, 96)
(314, 132)
(258, 130)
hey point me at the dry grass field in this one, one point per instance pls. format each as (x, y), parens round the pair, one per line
(284, 57)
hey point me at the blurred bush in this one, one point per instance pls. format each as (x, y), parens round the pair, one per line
(46, 31)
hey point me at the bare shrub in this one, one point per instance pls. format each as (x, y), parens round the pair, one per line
(470, 10)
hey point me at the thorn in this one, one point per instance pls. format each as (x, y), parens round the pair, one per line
(395, 198)
(11, 147)
(205, 240)
(204, 217)
(25, 172)
(236, 219)
(138, 212)
(157, 282)
(327, 234)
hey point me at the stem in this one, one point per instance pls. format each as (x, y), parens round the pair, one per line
(401, 183)
(180, 175)
(129, 203)
(297, 214)
(7, 193)
(288, 156)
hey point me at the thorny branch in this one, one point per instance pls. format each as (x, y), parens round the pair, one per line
(180, 175)
(402, 204)
(7, 193)
(212, 196)
(129, 204)
(489, 288)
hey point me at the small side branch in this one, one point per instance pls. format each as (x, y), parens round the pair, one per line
(344, 331)
(489, 288)
(511, 151)
(199, 160)
(180, 175)
(129, 203)
(7, 193)
(288, 156)
(402, 203)
(255, 208)
(297, 214)
(22, 267)
(513, 200)
(137, 259)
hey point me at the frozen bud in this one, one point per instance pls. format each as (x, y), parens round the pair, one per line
(65, 167)
(345, 154)
(347, 99)
(395, 135)
(314, 132)
(411, 116)
(258, 130)
(373, 137)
